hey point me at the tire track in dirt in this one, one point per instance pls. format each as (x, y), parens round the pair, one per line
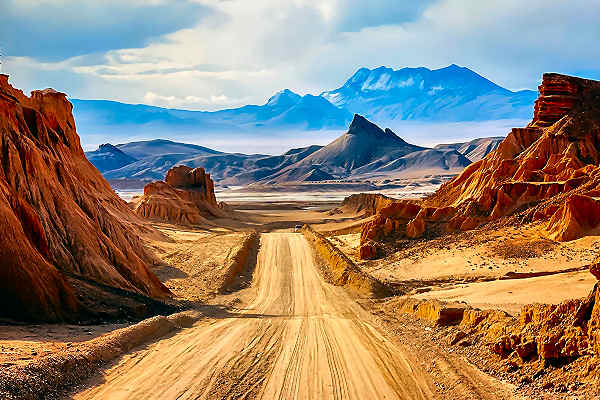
(338, 376)
(299, 338)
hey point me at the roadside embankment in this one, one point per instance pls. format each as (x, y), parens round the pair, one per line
(46, 377)
(343, 271)
(238, 259)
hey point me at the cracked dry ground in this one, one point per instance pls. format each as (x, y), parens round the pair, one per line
(297, 338)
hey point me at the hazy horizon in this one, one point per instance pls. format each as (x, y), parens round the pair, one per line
(412, 132)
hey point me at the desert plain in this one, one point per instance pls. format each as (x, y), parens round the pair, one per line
(278, 320)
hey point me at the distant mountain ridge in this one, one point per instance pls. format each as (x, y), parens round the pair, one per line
(383, 95)
(475, 149)
(284, 110)
(364, 151)
(109, 157)
(447, 94)
(363, 143)
(160, 147)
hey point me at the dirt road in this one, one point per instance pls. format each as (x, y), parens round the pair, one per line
(299, 338)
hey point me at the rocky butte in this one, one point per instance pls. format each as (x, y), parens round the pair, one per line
(547, 172)
(186, 197)
(60, 221)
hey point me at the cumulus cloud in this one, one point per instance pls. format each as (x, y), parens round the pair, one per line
(59, 29)
(354, 15)
(242, 51)
(187, 101)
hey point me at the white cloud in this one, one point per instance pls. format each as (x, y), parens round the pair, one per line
(53, 30)
(154, 99)
(244, 51)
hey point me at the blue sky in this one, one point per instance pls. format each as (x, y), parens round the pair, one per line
(211, 54)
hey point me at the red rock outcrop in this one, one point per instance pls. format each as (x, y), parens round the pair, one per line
(557, 97)
(549, 170)
(58, 215)
(405, 218)
(549, 332)
(187, 197)
(367, 250)
(366, 203)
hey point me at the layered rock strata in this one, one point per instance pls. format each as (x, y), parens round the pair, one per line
(555, 334)
(58, 215)
(186, 197)
(541, 336)
(549, 171)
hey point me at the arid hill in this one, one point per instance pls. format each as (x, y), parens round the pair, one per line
(548, 171)
(365, 203)
(363, 152)
(59, 217)
(186, 197)
(475, 149)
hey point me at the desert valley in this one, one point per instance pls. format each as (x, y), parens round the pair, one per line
(477, 280)
(390, 225)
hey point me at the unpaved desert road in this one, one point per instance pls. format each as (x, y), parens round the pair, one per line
(300, 338)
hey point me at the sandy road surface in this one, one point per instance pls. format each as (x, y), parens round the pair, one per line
(300, 338)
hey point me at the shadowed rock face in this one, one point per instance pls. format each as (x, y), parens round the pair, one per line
(187, 197)
(551, 168)
(58, 215)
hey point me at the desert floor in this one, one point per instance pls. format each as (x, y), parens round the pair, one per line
(281, 322)
(296, 337)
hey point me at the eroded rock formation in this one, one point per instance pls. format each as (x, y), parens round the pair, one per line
(186, 197)
(365, 203)
(549, 171)
(58, 216)
(541, 336)
(553, 333)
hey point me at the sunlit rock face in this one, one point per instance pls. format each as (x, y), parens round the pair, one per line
(548, 170)
(186, 197)
(58, 215)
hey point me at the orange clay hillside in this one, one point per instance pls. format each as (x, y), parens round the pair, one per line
(547, 172)
(59, 218)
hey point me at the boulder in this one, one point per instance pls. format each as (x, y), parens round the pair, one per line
(368, 251)
(441, 313)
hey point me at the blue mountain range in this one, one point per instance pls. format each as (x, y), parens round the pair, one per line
(383, 95)
(448, 94)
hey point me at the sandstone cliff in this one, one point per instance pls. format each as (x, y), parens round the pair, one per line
(548, 170)
(58, 216)
(186, 197)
